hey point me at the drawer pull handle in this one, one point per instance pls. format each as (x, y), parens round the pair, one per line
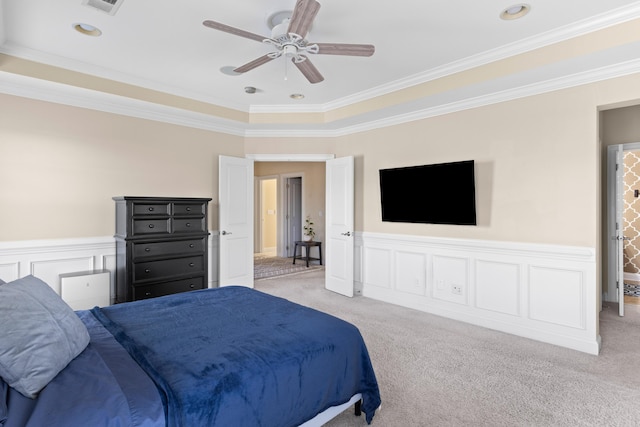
(188, 224)
(146, 294)
(188, 209)
(150, 208)
(191, 245)
(147, 249)
(191, 264)
(146, 270)
(151, 225)
(192, 286)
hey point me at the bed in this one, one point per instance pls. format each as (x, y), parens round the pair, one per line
(213, 357)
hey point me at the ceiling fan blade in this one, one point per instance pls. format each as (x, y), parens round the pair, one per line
(253, 64)
(235, 31)
(303, 15)
(346, 49)
(309, 70)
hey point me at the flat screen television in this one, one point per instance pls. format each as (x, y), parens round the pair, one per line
(443, 193)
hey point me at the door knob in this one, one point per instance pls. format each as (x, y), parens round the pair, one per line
(348, 233)
(224, 233)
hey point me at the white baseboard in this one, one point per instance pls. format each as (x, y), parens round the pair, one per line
(632, 277)
(543, 292)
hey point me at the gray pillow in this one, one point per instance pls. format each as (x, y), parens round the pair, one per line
(39, 336)
(2, 282)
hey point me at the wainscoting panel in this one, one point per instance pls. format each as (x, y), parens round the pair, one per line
(379, 267)
(9, 271)
(498, 286)
(50, 270)
(543, 292)
(450, 278)
(48, 259)
(567, 308)
(411, 272)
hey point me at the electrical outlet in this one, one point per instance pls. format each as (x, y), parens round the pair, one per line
(456, 289)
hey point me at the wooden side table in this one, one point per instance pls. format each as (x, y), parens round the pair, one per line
(307, 245)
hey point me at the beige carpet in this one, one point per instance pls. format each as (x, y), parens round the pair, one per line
(265, 266)
(434, 371)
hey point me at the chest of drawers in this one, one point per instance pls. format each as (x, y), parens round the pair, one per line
(161, 246)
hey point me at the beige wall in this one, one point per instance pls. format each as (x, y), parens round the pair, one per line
(536, 163)
(60, 166)
(538, 174)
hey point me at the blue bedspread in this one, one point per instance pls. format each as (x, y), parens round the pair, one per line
(234, 356)
(102, 387)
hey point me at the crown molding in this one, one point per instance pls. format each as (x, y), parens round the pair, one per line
(611, 18)
(44, 90)
(566, 82)
(68, 95)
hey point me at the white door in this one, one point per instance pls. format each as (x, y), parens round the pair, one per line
(294, 213)
(235, 191)
(615, 203)
(339, 245)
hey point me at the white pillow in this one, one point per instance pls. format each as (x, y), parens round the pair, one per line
(39, 335)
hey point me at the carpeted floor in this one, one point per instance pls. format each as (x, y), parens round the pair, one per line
(434, 371)
(269, 265)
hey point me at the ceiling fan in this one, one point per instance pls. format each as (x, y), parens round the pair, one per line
(291, 42)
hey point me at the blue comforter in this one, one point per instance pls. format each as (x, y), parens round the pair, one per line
(234, 356)
(102, 387)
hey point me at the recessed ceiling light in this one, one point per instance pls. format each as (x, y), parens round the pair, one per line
(296, 96)
(87, 30)
(516, 11)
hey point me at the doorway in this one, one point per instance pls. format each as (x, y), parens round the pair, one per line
(279, 210)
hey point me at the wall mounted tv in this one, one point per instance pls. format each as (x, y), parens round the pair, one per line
(441, 193)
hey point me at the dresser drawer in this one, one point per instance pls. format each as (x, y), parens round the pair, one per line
(189, 209)
(150, 226)
(154, 208)
(173, 267)
(166, 288)
(188, 225)
(175, 247)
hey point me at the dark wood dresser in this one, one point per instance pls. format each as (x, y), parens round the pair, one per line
(161, 246)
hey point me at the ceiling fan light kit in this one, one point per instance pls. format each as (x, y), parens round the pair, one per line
(288, 37)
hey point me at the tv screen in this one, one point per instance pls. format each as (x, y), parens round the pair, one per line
(442, 193)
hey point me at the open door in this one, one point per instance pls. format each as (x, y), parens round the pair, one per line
(339, 226)
(235, 191)
(615, 176)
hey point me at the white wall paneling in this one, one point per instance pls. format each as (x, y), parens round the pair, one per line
(543, 292)
(48, 259)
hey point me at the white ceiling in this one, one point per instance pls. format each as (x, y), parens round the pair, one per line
(162, 45)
